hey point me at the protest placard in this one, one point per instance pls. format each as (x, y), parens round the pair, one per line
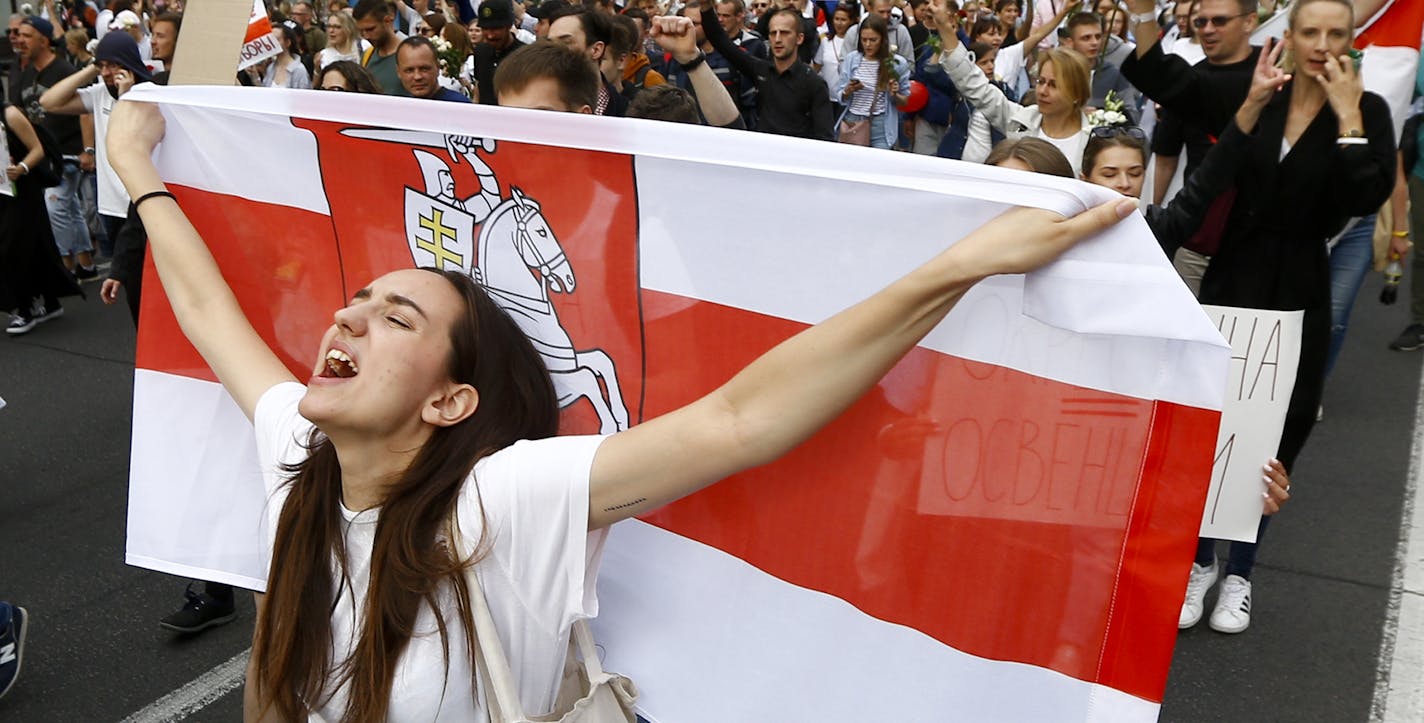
(1265, 347)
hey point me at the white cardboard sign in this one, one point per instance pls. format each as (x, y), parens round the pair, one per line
(1265, 349)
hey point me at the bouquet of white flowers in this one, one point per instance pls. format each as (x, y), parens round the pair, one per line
(1111, 114)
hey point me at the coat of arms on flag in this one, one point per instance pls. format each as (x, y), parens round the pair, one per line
(1015, 507)
(518, 229)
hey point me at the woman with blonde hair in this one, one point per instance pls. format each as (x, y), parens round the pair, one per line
(1323, 152)
(343, 41)
(1062, 89)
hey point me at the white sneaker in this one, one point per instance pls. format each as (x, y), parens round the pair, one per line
(1233, 606)
(1201, 580)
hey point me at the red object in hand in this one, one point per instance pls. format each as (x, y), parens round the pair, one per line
(918, 97)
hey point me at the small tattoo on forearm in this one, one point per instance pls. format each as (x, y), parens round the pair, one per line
(638, 501)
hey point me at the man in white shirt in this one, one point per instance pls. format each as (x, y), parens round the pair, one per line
(78, 94)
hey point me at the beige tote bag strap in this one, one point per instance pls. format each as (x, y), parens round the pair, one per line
(583, 637)
(501, 693)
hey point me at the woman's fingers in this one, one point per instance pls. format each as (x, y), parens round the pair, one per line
(1277, 490)
(1025, 239)
(1098, 219)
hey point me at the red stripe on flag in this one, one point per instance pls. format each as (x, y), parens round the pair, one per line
(289, 284)
(1400, 26)
(1152, 579)
(985, 507)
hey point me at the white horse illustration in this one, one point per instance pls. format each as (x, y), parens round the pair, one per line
(520, 260)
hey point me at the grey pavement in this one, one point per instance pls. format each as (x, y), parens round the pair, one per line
(96, 653)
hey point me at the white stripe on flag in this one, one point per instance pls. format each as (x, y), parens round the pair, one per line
(669, 600)
(200, 150)
(1113, 299)
(197, 431)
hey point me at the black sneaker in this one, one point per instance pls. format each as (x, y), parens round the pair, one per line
(83, 274)
(199, 613)
(1410, 339)
(21, 324)
(44, 312)
(14, 621)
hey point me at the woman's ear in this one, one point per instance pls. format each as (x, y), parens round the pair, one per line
(455, 404)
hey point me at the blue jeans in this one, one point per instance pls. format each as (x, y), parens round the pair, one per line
(66, 214)
(1241, 557)
(1350, 261)
(89, 200)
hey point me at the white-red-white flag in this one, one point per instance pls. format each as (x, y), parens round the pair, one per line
(259, 43)
(1002, 529)
(1390, 40)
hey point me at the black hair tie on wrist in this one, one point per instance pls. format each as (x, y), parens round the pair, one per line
(153, 194)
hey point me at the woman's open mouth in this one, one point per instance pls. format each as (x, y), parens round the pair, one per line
(339, 365)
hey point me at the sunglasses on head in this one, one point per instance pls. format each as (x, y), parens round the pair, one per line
(1216, 21)
(1111, 131)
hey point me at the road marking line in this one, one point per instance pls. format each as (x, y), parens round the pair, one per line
(1401, 697)
(198, 694)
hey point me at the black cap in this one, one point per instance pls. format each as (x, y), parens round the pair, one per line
(546, 10)
(496, 14)
(120, 48)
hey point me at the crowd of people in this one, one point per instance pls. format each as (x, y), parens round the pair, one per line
(1288, 159)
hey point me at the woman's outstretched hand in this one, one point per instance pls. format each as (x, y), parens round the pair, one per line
(138, 127)
(1025, 239)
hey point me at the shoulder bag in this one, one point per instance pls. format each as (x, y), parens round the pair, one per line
(587, 694)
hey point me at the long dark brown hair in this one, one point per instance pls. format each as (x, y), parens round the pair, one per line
(292, 646)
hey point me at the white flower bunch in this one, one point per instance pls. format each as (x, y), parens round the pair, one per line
(1107, 118)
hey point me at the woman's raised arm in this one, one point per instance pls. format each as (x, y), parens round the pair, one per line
(787, 394)
(203, 302)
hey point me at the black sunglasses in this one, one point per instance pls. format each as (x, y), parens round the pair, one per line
(1218, 21)
(1110, 131)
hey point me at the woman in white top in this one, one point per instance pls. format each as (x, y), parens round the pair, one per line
(1062, 89)
(417, 415)
(286, 70)
(832, 49)
(343, 41)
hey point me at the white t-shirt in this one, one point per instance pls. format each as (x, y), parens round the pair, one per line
(1188, 51)
(538, 577)
(1072, 147)
(329, 55)
(113, 199)
(1009, 66)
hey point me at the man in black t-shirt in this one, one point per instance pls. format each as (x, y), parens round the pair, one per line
(44, 69)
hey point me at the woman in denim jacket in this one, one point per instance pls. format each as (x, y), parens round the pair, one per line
(867, 90)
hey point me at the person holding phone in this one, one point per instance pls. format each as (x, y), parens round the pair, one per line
(116, 59)
(874, 83)
(1323, 151)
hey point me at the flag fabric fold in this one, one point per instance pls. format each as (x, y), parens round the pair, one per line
(1001, 529)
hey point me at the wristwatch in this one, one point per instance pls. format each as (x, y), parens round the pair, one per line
(692, 64)
(1140, 18)
(89, 150)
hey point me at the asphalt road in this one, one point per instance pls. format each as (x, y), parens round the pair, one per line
(96, 653)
